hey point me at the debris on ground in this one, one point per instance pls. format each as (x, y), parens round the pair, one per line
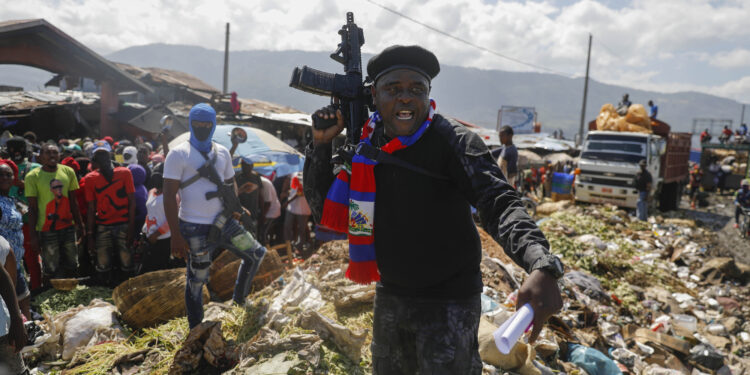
(639, 298)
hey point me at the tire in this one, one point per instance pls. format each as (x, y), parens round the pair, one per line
(669, 198)
(744, 224)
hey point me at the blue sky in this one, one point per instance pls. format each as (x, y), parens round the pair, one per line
(664, 45)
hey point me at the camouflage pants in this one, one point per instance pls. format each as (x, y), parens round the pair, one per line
(425, 336)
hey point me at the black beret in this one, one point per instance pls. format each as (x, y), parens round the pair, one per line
(403, 57)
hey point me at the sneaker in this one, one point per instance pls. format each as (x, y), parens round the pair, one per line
(736, 225)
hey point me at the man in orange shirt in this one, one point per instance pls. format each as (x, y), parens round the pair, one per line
(111, 204)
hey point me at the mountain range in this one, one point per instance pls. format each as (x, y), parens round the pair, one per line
(470, 94)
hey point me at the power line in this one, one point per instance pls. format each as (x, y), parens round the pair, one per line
(485, 49)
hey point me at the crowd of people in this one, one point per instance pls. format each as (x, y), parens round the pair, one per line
(94, 208)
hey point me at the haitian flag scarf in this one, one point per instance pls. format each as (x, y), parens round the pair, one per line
(350, 202)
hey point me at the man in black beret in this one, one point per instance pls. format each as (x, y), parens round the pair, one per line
(414, 218)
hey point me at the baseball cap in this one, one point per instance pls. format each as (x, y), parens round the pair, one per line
(101, 145)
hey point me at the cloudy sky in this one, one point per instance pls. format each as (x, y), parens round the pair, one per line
(661, 45)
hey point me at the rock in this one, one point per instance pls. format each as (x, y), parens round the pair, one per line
(732, 324)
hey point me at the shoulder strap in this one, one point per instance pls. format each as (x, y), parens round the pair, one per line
(198, 176)
(376, 154)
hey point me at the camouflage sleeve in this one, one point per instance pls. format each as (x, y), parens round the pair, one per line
(317, 177)
(501, 211)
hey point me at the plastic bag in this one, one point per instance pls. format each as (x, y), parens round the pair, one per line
(592, 360)
(81, 327)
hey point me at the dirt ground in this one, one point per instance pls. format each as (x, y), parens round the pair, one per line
(719, 215)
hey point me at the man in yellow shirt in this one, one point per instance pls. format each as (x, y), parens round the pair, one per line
(54, 209)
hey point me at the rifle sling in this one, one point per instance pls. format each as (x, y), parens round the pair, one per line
(376, 154)
(198, 176)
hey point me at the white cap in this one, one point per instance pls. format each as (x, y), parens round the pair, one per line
(130, 155)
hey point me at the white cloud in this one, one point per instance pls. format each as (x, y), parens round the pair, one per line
(633, 45)
(735, 58)
(738, 90)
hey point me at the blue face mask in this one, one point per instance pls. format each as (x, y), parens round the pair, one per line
(199, 138)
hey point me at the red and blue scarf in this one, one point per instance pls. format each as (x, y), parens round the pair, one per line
(350, 204)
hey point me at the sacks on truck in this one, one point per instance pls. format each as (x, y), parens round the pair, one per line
(636, 120)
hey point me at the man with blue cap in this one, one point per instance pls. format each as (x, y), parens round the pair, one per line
(202, 211)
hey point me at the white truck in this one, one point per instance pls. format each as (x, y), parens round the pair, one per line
(609, 163)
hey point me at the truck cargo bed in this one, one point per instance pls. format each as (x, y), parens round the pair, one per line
(675, 161)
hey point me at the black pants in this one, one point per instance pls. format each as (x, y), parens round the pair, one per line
(158, 257)
(426, 336)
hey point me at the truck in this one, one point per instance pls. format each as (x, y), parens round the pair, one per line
(609, 162)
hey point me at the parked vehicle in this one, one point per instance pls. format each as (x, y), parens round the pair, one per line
(609, 163)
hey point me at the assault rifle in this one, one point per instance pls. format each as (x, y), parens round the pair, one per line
(353, 95)
(226, 194)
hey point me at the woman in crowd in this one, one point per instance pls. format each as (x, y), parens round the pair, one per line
(11, 228)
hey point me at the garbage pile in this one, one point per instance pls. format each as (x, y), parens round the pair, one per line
(639, 298)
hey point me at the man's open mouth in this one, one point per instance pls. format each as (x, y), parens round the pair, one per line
(405, 115)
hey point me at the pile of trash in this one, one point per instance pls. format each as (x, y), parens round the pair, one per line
(639, 297)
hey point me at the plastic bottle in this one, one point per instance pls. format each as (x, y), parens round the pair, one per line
(686, 324)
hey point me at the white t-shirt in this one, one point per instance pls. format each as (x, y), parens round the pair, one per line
(156, 218)
(298, 205)
(182, 163)
(269, 195)
(4, 313)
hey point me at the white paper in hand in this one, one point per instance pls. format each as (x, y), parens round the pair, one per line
(508, 333)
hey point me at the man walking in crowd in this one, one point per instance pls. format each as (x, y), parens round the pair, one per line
(54, 208)
(201, 224)
(643, 185)
(110, 193)
(12, 330)
(425, 255)
(508, 160)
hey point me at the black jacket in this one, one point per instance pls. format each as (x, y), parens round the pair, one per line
(425, 239)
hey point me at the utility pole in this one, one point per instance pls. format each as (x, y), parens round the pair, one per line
(226, 61)
(742, 116)
(585, 94)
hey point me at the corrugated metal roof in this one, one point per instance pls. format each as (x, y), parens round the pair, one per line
(31, 99)
(158, 76)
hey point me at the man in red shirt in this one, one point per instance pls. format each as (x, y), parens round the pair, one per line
(111, 203)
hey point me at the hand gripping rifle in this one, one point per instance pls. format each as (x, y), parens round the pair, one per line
(226, 194)
(353, 95)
